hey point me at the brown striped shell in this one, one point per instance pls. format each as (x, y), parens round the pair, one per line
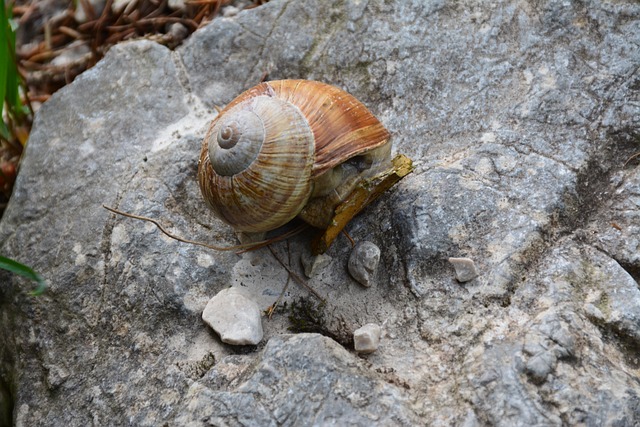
(266, 151)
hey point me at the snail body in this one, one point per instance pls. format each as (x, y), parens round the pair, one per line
(288, 148)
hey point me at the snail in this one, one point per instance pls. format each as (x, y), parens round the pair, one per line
(286, 149)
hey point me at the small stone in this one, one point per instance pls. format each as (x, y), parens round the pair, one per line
(56, 376)
(541, 365)
(593, 313)
(465, 269)
(74, 53)
(230, 11)
(178, 32)
(363, 262)
(97, 6)
(176, 4)
(367, 338)
(235, 317)
(313, 264)
(119, 5)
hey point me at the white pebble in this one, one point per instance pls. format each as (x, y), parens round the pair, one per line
(313, 264)
(465, 269)
(230, 11)
(119, 5)
(363, 262)
(97, 6)
(367, 338)
(176, 4)
(235, 317)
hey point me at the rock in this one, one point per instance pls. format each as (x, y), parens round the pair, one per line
(465, 269)
(363, 262)
(119, 5)
(176, 4)
(230, 11)
(520, 117)
(176, 34)
(338, 387)
(57, 376)
(313, 264)
(235, 317)
(366, 339)
(75, 52)
(97, 7)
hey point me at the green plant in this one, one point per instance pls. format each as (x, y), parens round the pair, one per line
(21, 269)
(17, 112)
(14, 109)
(307, 316)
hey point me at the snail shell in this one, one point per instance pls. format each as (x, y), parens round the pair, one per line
(281, 144)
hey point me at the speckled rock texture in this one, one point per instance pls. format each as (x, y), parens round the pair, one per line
(519, 116)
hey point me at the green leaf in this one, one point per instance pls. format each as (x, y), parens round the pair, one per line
(21, 269)
(4, 131)
(7, 56)
(4, 53)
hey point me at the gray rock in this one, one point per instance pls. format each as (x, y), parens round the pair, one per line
(519, 116)
(314, 264)
(465, 269)
(176, 4)
(363, 262)
(281, 389)
(81, 16)
(230, 11)
(119, 5)
(74, 53)
(235, 317)
(366, 339)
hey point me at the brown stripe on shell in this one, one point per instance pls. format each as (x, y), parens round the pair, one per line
(342, 126)
(276, 186)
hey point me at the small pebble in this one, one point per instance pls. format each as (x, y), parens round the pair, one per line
(230, 11)
(176, 4)
(75, 52)
(97, 6)
(541, 365)
(313, 264)
(235, 317)
(367, 338)
(119, 5)
(363, 262)
(465, 269)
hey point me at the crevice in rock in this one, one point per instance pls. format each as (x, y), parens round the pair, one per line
(336, 22)
(6, 403)
(580, 205)
(632, 269)
(628, 346)
(182, 73)
(249, 81)
(105, 246)
(588, 197)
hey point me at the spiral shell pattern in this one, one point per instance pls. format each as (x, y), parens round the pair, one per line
(264, 151)
(261, 181)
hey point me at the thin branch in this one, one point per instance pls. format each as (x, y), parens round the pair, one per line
(295, 277)
(353, 243)
(630, 158)
(275, 239)
(180, 239)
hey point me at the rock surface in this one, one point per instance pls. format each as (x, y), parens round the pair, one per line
(235, 317)
(298, 379)
(519, 116)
